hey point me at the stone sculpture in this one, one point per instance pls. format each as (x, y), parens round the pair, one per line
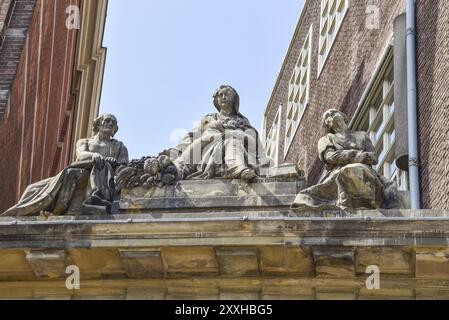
(350, 182)
(90, 180)
(148, 172)
(223, 146)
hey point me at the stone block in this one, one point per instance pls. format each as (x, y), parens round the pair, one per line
(287, 170)
(287, 293)
(137, 198)
(143, 263)
(432, 264)
(192, 293)
(145, 294)
(432, 294)
(16, 292)
(52, 294)
(240, 294)
(48, 263)
(98, 263)
(213, 194)
(336, 293)
(389, 260)
(153, 204)
(140, 192)
(268, 188)
(14, 265)
(334, 263)
(238, 261)
(206, 188)
(99, 292)
(276, 260)
(189, 261)
(386, 294)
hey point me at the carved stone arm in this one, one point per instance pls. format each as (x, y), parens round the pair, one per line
(123, 157)
(341, 157)
(345, 157)
(83, 153)
(369, 158)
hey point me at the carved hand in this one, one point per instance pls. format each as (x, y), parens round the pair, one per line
(370, 158)
(366, 158)
(111, 160)
(343, 157)
(98, 160)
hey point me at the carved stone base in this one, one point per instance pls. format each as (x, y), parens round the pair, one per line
(219, 195)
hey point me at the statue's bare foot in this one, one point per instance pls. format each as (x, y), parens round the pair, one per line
(248, 174)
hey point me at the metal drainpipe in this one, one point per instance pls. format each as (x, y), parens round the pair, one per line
(415, 196)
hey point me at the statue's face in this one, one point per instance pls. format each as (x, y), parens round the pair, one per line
(226, 100)
(335, 121)
(108, 124)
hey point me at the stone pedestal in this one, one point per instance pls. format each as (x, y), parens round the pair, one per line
(214, 195)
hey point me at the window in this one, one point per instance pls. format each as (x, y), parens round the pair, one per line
(332, 15)
(378, 121)
(298, 91)
(272, 139)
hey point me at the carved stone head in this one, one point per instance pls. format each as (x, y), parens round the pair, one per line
(333, 119)
(107, 122)
(230, 96)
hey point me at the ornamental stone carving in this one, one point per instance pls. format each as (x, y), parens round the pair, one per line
(224, 145)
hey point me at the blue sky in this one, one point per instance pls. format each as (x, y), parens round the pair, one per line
(166, 58)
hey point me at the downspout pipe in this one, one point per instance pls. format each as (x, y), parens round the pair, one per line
(415, 195)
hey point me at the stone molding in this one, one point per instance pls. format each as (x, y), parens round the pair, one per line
(246, 255)
(89, 68)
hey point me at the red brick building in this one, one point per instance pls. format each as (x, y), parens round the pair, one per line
(51, 69)
(350, 55)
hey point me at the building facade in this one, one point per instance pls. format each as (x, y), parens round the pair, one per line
(350, 55)
(231, 239)
(51, 69)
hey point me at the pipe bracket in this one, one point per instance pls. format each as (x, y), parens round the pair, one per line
(411, 32)
(413, 162)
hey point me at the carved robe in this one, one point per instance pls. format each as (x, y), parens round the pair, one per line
(96, 186)
(220, 147)
(346, 184)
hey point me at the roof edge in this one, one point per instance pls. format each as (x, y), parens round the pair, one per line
(295, 33)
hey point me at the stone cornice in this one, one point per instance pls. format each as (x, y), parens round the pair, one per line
(226, 229)
(238, 255)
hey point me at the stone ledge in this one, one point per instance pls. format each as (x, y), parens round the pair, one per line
(221, 228)
(258, 255)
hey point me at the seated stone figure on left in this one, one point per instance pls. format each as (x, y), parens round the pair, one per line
(89, 181)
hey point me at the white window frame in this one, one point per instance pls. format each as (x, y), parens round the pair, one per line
(332, 14)
(298, 91)
(379, 114)
(272, 140)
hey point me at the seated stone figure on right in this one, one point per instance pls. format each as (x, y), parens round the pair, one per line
(351, 182)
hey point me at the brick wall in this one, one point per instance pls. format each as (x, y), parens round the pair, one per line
(347, 72)
(37, 59)
(16, 19)
(433, 100)
(5, 14)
